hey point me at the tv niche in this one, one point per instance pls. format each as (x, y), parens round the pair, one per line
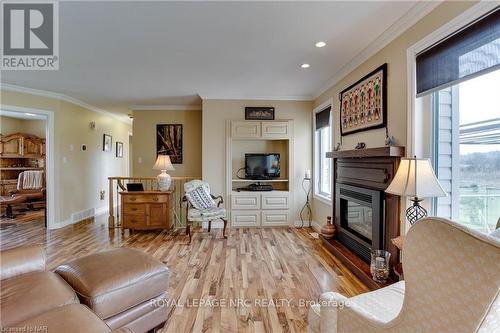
(261, 167)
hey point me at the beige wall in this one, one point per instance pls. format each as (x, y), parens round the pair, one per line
(79, 176)
(215, 114)
(144, 141)
(10, 125)
(394, 54)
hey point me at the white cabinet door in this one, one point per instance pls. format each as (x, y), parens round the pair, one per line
(246, 129)
(275, 218)
(245, 201)
(245, 218)
(275, 130)
(275, 200)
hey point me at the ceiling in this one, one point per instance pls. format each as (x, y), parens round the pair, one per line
(117, 54)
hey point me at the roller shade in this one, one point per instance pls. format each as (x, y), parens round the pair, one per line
(323, 118)
(468, 53)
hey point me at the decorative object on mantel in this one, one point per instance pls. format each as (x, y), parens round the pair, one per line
(379, 265)
(164, 164)
(416, 180)
(360, 145)
(259, 113)
(328, 230)
(107, 142)
(363, 105)
(337, 147)
(306, 186)
(169, 141)
(389, 139)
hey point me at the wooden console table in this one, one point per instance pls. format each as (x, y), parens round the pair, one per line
(146, 210)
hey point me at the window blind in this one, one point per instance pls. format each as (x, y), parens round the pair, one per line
(461, 56)
(323, 118)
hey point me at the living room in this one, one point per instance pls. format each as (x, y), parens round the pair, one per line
(250, 166)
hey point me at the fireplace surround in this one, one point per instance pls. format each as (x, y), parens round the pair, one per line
(366, 218)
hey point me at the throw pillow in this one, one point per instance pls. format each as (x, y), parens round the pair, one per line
(200, 198)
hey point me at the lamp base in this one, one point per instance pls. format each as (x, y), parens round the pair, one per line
(164, 181)
(415, 212)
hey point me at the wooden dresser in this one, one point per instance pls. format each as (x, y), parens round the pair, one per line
(145, 210)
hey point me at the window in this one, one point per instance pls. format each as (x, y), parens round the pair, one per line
(322, 145)
(457, 85)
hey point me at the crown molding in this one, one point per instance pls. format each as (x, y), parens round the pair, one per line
(62, 97)
(410, 18)
(167, 107)
(259, 98)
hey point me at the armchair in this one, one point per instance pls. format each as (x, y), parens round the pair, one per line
(201, 207)
(452, 284)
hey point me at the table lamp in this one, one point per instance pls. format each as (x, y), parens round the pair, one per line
(416, 180)
(163, 163)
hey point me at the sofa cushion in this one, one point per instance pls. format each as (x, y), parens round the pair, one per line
(116, 280)
(30, 294)
(74, 318)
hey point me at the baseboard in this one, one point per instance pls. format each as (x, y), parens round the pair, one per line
(316, 226)
(82, 215)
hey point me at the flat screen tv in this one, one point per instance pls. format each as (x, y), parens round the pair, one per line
(262, 166)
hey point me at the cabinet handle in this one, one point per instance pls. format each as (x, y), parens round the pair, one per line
(133, 209)
(133, 199)
(156, 199)
(133, 220)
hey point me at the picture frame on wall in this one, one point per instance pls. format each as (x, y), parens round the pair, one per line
(119, 149)
(107, 143)
(259, 113)
(363, 105)
(169, 141)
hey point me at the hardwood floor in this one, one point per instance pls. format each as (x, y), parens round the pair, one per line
(257, 266)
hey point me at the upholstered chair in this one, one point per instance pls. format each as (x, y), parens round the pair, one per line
(452, 284)
(201, 207)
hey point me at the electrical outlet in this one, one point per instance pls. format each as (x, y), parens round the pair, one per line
(102, 194)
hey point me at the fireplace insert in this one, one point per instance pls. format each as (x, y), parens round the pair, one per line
(360, 219)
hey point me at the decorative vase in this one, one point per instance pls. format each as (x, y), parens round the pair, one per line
(164, 181)
(328, 230)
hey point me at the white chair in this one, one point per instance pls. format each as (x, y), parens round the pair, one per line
(201, 207)
(452, 284)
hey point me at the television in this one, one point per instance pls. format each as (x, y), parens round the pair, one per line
(262, 166)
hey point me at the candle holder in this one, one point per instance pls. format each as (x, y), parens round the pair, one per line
(379, 266)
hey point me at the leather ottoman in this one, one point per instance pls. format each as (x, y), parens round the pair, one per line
(122, 286)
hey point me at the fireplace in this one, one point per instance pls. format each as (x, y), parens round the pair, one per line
(360, 219)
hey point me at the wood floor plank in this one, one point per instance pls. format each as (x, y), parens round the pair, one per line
(243, 274)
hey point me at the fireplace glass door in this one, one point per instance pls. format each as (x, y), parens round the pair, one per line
(358, 219)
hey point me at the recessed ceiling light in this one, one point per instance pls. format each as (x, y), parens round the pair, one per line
(30, 114)
(305, 65)
(320, 44)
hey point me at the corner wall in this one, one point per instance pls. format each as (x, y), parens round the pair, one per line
(79, 175)
(394, 54)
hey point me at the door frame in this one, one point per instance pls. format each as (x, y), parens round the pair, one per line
(49, 156)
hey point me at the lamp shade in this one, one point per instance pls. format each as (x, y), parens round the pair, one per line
(415, 178)
(163, 163)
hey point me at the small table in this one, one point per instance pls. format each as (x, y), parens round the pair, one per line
(145, 210)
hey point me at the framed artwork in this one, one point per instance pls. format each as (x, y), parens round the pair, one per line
(259, 113)
(363, 105)
(169, 141)
(107, 142)
(119, 149)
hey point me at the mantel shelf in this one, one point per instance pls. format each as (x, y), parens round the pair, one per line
(390, 151)
(260, 180)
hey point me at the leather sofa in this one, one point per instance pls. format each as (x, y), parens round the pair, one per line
(33, 298)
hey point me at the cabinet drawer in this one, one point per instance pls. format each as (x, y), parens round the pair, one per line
(131, 221)
(275, 201)
(134, 209)
(144, 198)
(245, 129)
(275, 218)
(245, 201)
(244, 218)
(275, 129)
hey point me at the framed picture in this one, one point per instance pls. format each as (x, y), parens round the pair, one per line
(119, 149)
(169, 141)
(107, 142)
(259, 113)
(363, 105)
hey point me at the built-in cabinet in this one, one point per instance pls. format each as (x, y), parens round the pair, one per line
(19, 152)
(267, 208)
